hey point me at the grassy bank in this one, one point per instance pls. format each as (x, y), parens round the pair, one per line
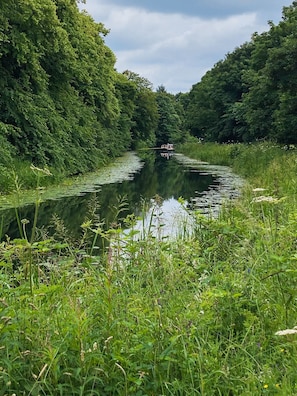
(193, 317)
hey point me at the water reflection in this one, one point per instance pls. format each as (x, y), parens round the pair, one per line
(167, 154)
(165, 219)
(161, 175)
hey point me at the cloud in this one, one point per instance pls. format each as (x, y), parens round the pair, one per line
(207, 8)
(171, 49)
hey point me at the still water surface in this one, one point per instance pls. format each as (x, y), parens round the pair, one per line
(168, 178)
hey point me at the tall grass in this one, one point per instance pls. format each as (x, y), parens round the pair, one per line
(196, 316)
(210, 152)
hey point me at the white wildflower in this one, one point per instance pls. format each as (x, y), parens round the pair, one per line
(37, 170)
(259, 189)
(286, 332)
(264, 198)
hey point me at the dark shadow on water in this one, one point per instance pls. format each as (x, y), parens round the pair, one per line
(159, 176)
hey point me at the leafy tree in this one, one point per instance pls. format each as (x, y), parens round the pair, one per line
(251, 94)
(60, 103)
(145, 117)
(211, 112)
(270, 104)
(170, 122)
(201, 117)
(126, 93)
(141, 83)
(182, 103)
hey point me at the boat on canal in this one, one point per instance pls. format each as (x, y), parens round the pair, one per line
(167, 146)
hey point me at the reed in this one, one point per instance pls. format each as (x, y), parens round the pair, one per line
(199, 315)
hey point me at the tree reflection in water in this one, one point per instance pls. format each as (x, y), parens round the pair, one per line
(159, 176)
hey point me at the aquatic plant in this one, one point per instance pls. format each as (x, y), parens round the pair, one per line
(200, 315)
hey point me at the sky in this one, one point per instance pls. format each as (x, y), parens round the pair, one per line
(175, 42)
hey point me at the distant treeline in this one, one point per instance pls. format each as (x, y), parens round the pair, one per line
(252, 93)
(64, 105)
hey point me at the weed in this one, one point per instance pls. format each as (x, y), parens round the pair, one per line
(201, 315)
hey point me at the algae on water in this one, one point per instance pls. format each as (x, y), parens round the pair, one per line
(123, 168)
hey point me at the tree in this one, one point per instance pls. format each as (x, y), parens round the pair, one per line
(170, 123)
(211, 113)
(60, 99)
(126, 93)
(270, 104)
(145, 117)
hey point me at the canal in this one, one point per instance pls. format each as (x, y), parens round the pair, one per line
(132, 184)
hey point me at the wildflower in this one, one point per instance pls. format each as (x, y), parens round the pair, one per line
(265, 386)
(107, 341)
(259, 189)
(142, 374)
(6, 320)
(26, 353)
(37, 170)
(263, 198)
(286, 332)
(82, 352)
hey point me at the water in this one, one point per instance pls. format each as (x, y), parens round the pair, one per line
(136, 181)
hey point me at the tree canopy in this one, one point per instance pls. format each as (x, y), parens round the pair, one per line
(62, 103)
(251, 94)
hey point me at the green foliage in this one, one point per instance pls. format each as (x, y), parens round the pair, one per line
(126, 93)
(251, 94)
(62, 103)
(212, 111)
(145, 116)
(170, 121)
(214, 153)
(7, 150)
(198, 315)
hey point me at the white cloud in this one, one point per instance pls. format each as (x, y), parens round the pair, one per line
(174, 50)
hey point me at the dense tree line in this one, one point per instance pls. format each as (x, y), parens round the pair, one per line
(58, 101)
(252, 93)
(62, 103)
